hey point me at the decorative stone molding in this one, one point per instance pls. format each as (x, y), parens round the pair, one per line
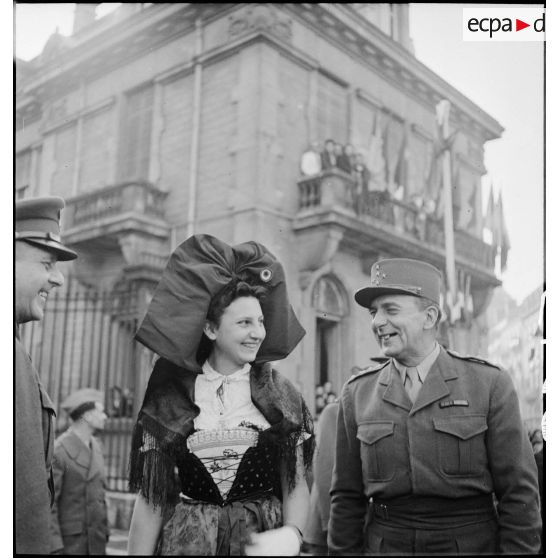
(137, 249)
(316, 250)
(388, 63)
(260, 17)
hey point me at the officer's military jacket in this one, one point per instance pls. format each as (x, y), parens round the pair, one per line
(462, 437)
(34, 440)
(79, 516)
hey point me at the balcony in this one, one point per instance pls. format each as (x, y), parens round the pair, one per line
(104, 215)
(375, 224)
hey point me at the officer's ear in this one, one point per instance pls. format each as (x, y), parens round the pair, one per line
(432, 317)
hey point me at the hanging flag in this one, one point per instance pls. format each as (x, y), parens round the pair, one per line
(488, 221)
(502, 236)
(401, 174)
(470, 220)
(375, 159)
(385, 148)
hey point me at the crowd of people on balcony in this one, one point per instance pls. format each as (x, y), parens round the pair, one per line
(333, 155)
(368, 191)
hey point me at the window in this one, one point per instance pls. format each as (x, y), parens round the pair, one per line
(64, 155)
(96, 147)
(135, 139)
(332, 106)
(22, 174)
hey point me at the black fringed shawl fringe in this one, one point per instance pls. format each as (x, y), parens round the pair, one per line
(166, 419)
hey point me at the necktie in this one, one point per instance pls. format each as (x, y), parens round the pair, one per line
(412, 383)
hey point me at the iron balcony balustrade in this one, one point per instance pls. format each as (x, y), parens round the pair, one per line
(373, 222)
(107, 213)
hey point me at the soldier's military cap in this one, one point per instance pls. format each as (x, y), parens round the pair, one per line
(82, 398)
(37, 221)
(401, 276)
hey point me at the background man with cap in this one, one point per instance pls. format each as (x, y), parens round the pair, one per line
(425, 439)
(79, 514)
(37, 249)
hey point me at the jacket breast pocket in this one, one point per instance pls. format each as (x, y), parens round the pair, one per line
(461, 445)
(376, 450)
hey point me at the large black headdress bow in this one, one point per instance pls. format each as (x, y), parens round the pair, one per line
(199, 269)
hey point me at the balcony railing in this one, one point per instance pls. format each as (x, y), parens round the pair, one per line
(336, 190)
(140, 198)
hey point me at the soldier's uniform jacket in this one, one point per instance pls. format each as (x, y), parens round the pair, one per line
(79, 516)
(34, 441)
(462, 437)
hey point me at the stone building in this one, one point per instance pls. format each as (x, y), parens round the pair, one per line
(158, 121)
(515, 342)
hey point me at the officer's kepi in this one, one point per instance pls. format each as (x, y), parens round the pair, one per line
(83, 399)
(37, 221)
(401, 276)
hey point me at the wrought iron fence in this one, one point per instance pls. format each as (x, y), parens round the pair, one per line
(86, 340)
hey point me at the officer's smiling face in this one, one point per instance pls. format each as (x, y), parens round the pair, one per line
(402, 327)
(36, 275)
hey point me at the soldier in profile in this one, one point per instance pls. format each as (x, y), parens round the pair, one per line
(79, 514)
(37, 251)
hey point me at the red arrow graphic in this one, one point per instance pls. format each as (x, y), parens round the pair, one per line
(519, 25)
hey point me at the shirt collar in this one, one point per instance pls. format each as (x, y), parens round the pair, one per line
(422, 368)
(211, 374)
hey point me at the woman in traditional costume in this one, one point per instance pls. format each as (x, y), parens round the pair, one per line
(223, 441)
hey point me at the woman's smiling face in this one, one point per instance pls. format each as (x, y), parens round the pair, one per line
(238, 336)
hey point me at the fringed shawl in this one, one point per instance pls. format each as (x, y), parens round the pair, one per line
(166, 419)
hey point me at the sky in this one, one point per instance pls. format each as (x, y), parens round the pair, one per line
(504, 78)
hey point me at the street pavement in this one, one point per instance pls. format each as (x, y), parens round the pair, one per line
(118, 543)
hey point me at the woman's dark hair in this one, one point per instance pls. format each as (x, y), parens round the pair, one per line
(237, 288)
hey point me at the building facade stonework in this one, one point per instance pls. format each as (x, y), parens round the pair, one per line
(515, 342)
(158, 121)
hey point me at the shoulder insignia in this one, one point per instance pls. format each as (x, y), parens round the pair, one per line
(473, 359)
(369, 370)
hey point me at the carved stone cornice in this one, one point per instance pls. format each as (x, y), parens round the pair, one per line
(474, 165)
(363, 40)
(109, 46)
(260, 17)
(106, 47)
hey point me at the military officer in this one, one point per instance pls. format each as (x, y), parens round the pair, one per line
(37, 251)
(79, 514)
(431, 455)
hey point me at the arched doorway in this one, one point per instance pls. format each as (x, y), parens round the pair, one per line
(329, 301)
